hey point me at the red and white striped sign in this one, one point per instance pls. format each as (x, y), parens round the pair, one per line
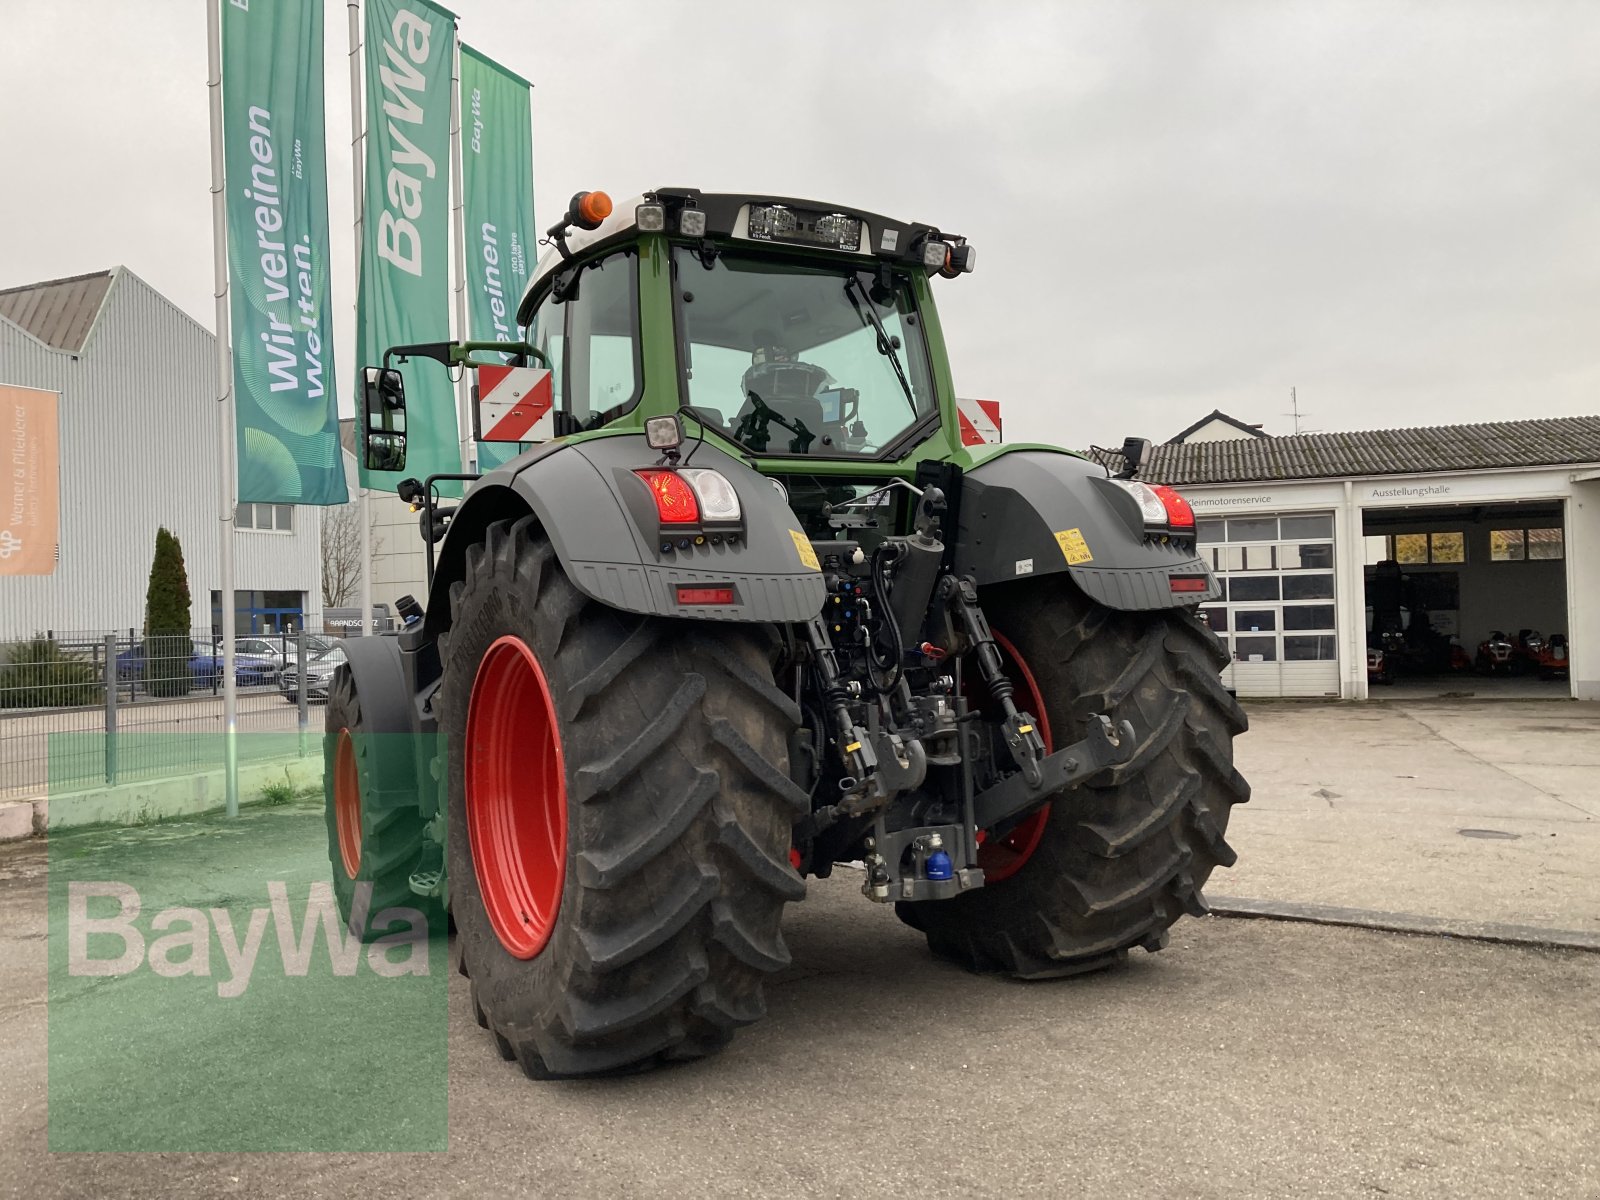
(514, 404)
(980, 421)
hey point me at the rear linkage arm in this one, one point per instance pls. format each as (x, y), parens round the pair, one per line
(1018, 728)
(1104, 746)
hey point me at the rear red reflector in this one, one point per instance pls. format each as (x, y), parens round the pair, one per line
(1187, 583)
(1179, 514)
(705, 595)
(675, 500)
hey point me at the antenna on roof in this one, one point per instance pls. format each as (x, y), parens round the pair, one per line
(1294, 403)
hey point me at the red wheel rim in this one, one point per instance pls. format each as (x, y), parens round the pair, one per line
(1002, 858)
(516, 792)
(347, 802)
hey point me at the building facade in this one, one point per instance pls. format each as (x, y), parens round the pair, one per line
(137, 429)
(1492, 528)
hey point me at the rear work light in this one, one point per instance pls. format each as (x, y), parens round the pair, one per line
(705, 595)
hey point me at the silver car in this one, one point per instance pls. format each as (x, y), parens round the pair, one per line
(319, 674)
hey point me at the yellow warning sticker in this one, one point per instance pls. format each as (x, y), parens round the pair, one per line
(802, 547)
(1073, 548)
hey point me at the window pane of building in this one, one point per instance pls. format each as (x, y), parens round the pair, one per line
(1258, 558)
(1229, 558)
(1545, 544)
(1505, 545)
(244, 517)
(1252, 529)
(1308, 616)
(1246, 587)
(1308, 587)
(1216, 618)
(1255, 620)
(1255, 649)
(1319, 526)
(1298, 556)
(285, 516)
(1303, 648)
(1448, 547)
(1377, 548)
(1411, 549)
(1209, 531)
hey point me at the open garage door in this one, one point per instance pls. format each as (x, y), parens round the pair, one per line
(1469, 598)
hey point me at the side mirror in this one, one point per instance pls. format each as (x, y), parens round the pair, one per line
(383, 419)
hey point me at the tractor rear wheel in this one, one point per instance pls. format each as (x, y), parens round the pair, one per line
(620, 813)
(368, 844)
(1112, 863)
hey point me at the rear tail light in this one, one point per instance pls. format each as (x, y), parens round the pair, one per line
(718, 500)
(1163, 510)
(1179, 514)
(690, 495)
(705, 595)
(676, 503)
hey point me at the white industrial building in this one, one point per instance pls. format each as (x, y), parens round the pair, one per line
(1494, 527)
(137, 418)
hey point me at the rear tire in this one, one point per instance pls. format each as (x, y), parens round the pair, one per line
(649, 939)
(1125, 854)
(367, 845)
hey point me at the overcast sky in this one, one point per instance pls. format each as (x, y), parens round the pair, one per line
(1394, 208)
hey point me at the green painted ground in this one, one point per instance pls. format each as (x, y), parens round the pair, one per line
(181, 1049)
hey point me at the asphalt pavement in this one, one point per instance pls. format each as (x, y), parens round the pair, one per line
(1249, 1058)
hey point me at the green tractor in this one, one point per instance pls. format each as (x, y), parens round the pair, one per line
(751, 609)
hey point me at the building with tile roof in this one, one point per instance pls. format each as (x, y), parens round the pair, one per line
(1491, 526)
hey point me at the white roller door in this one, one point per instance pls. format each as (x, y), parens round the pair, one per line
(1277, 612)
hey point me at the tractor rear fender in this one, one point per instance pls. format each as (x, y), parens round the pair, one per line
(602, 521)
(1038, 512)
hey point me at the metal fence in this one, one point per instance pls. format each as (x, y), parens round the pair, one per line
(84, 709)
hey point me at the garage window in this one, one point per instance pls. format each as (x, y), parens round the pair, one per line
(1521, 545)
(1308, 616)
(1255, 649)
(1308, 587)
(1418, 549)
(1310, 648)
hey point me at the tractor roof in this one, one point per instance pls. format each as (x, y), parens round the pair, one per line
(728, 216)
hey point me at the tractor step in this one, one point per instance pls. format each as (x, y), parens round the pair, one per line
(428, 878)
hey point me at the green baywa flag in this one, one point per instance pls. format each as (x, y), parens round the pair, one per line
(405, 269)
(286, 414)
(497, 194)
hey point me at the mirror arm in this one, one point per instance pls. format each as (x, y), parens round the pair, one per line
(428, 507)
(463, 353)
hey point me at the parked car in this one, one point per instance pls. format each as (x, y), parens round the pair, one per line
(283, 649)
(205, 666)
(319, 673)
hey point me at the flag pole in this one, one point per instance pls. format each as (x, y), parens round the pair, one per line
(225, 451)
(357, 174)
(459, 220)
